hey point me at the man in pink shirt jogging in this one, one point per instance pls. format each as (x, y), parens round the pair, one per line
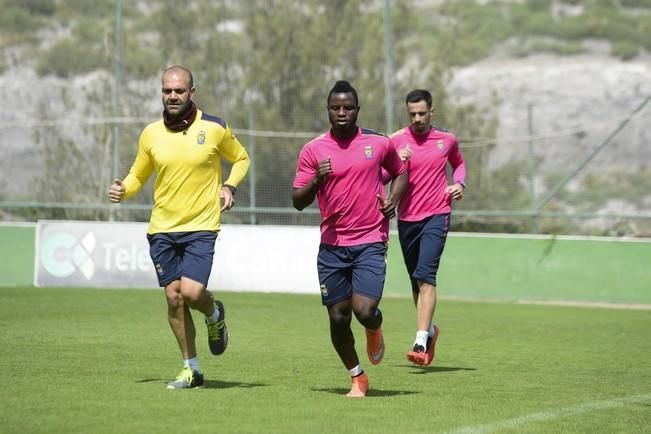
(343, 170)
(424, 211)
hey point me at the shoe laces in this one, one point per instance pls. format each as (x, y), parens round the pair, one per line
(214, 329)
(185, 375)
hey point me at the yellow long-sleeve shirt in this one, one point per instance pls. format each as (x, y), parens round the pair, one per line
(188, 172)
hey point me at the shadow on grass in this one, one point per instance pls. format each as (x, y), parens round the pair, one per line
(216, 384)
(212, 384)
(435, 369)
(372, 392)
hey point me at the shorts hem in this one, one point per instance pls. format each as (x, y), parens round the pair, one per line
(330, 302)
(425, 280)
(205, 284)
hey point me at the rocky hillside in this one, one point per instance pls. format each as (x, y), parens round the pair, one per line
(566, 107)
(557, 78)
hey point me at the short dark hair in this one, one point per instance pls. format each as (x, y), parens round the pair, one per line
(342, 86)
(181, 68)
(417, 95)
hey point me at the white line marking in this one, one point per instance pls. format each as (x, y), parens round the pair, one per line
(548, 237)
(550, 415)
(597, 304)
(566, 303)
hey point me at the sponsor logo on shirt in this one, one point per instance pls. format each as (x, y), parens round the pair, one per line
(368, 152)
(201, 137)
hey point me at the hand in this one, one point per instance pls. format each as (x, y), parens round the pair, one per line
(405, 153)
(455, 190)
(227, 197)
(116, 191)
(387, 206)
(322, 171)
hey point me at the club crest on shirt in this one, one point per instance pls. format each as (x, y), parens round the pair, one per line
(201, 137)
(440, 144)
(324, 290)
(368, 152)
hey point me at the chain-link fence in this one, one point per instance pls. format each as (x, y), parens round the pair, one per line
(583, 181)
(544, 153)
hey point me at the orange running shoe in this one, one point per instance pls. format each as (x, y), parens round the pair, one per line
(375, 345)
(424, 356)
(431, 346)
(417, 355)
(360, 386)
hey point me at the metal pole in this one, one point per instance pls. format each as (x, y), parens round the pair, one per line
(252, 177)
(532, 171)
(532, 163)
(388, 69)
(116, 88)
(116, 97)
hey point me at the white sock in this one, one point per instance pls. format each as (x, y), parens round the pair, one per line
(421, 338)
(214, 317)
(431, 330)
(193, 363)
(357, 370)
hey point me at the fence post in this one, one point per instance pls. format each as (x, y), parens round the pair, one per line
(252, 174)
(116, 96)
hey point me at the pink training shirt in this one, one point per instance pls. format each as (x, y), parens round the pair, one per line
(347, 199)
(425, 195)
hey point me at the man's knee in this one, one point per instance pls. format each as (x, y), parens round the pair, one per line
(192, 291)
(173, 294)
(367, 312)
(426, 287)
(339, 319)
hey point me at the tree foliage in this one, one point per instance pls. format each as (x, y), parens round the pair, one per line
(268, 65)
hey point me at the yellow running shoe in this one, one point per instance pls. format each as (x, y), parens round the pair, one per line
(187, 379)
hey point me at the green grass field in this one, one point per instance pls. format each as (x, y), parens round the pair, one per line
(96, 361)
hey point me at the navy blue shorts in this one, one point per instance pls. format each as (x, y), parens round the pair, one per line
(351, 269)
(422, 245)
(187, 254)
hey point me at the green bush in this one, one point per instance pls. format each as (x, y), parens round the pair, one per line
(538, 5)
(625, 50)
(635, 3)
(557, 47)
(142, 63)
(15, 19)
(67, 58)
(85, 8)
(39, 7)
(644, 30)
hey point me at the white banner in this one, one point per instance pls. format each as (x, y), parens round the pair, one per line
(116, 255)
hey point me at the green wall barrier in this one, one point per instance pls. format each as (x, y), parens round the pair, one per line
(539, 268)
(17, 255)
(478, 266)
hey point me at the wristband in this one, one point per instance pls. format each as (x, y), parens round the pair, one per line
(232, 188)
